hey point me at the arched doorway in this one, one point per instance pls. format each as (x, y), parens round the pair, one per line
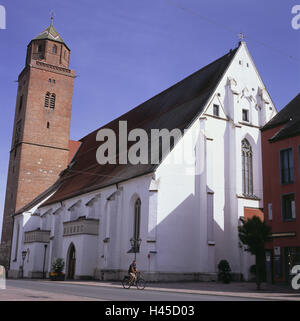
(71, 262)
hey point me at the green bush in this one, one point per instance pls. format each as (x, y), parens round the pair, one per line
(58, 265)
(224, 271)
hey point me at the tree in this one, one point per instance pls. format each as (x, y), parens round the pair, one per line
(254, 233)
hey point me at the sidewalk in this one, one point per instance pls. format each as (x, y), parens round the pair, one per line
(234, 289)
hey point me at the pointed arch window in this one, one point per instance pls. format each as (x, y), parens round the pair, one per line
(52, 101)
(137, 223)
(47, 98)
(247, 168)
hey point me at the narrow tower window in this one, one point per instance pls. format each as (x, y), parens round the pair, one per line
(54, 49)
(21, 103)
(47, 99)
(48, 125)
(52, 101)
(247, 168)
(18, 131)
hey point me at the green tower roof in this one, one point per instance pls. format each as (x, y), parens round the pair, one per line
(50, 34)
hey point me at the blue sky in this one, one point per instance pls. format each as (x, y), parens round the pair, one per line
(126, 51)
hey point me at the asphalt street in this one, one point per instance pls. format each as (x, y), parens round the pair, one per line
(48, 290)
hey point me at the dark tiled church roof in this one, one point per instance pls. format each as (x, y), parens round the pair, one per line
(288, 118)
(176, 107)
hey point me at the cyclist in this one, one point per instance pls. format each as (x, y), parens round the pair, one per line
(132, 271)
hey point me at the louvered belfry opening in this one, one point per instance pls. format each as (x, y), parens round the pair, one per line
(47, 98)
(52, 101)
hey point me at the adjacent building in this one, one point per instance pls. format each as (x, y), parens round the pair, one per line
(281, 187)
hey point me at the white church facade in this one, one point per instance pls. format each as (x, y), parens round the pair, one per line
(185, 216)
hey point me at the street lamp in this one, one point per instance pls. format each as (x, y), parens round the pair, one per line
(23, 259)
(135, 245)
(45, 250)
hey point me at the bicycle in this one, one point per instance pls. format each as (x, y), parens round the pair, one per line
(127, 282)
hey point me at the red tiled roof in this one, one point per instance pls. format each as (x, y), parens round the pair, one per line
(249, 212)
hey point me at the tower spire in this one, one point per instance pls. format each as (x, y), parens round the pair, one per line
(52, 14)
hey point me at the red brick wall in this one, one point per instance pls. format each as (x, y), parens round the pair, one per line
(41, 153)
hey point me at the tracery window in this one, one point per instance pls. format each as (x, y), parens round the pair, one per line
(247, 168)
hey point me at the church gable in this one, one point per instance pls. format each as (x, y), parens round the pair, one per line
(246, 91)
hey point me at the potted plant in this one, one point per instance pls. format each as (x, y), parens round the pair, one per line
(224, 271)
(57, 267)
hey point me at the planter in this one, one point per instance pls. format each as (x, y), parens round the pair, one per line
(57, 276)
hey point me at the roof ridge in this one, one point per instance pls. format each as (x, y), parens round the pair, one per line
(164, 91)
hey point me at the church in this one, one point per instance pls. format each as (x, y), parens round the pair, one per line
(178, 219)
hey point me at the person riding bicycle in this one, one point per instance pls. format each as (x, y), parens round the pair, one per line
(132, 271)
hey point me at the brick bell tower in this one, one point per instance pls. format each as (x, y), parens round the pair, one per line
(40, 142)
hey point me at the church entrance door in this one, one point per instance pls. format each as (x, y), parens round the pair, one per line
(71, 262)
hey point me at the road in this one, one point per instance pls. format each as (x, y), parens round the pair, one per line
(38, 290)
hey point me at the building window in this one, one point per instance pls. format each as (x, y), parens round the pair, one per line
(287, 166)
(137, 221)
(288, 207)
(245, 115)
(270, 212)
(21, 103)
(18, 131)
(54, 49)
(40, 48)
(247, 168)
(47, 98)
(216, 110)
(48, 125)
(52, 101)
